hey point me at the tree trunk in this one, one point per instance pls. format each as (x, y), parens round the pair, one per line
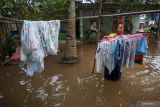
(70, 56)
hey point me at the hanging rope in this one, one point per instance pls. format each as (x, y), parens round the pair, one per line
(96, 16)
(8, 22)
(11, 19)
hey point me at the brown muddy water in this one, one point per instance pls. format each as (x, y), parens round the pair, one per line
(61, 85)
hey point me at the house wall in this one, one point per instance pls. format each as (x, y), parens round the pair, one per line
(86, 22)
(106, 24)
(107, 21)
(135, 21)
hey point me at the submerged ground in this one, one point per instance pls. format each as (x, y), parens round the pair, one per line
(63, 85)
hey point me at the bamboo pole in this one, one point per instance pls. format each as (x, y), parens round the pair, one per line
(6, 18)
(121, 14)
(7, 22)
(97, 16)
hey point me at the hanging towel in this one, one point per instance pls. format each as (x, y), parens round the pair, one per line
(38, 40)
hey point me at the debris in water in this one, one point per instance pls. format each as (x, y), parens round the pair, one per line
(1, 96)
(148, 89)
(54, 79)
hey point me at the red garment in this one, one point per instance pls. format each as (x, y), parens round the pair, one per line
(120, 32)
(16, 56)
(120, 20)
(139, 57)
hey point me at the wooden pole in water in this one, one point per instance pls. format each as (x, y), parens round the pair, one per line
(94, 63)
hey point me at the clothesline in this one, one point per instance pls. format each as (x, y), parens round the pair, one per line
(1, 21)
(96, 16)
(21, 21)
(7, 18)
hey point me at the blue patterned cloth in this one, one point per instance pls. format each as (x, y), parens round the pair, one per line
(142, 47)
(38, 40)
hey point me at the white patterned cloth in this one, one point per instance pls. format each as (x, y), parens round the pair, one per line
(38, 40)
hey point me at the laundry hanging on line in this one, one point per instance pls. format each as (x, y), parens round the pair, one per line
(119, 52)
(38, 40)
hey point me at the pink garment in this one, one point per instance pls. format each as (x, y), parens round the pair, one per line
(16, 56)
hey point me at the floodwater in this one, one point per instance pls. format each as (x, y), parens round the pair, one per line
(61, 85)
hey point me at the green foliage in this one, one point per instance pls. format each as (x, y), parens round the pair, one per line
(34, 9)
(54, 8)
(137, 5)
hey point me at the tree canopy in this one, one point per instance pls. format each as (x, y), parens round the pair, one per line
(34, 9)
(58, 9)
(138, 5)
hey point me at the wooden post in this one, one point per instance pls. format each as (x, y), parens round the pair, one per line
(99, 19)
(81, 27)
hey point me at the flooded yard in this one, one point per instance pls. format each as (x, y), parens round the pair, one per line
(61, 85)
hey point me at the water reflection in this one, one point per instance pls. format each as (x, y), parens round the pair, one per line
(1, 96)
(93, 82)
(149, 75)
(52, 89)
